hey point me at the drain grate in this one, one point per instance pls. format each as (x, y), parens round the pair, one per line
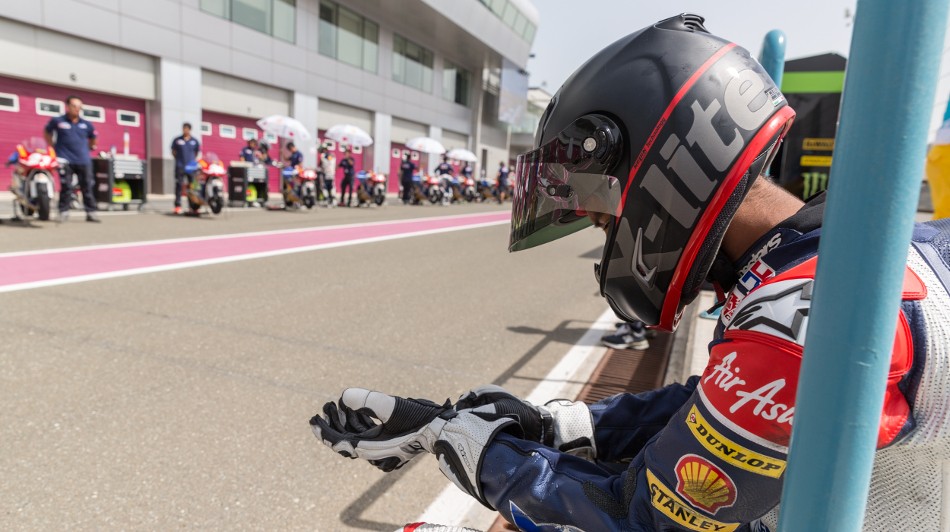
(628, 370)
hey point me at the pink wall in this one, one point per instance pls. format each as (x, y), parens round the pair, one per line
(25, 123)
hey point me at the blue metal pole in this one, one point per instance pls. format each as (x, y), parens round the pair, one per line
(874, 187)
(772, 57)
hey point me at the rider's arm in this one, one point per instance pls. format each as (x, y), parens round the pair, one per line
(718, 462)
(92, 137)
(624, 422)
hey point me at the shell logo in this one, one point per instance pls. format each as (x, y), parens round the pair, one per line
(703, 484)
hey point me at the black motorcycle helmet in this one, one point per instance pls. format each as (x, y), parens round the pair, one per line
(665, 130)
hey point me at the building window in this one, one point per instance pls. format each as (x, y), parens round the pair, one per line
(205, 128)
(93, 113)
(221, 8)
(270, 138)
(509, 13)
(9, 102)
(227, 132)
(128, 118)
(329, 144)
(48, 107)
(529, 31)
(348, 37)
(412, 64)
(356, 149)
(455, 83)
(274, 17)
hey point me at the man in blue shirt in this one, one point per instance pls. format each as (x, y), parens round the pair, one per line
(251, 153)
(295, 161)
(406, 170)
(185, 149)
(502, 181)
(72, 137)
(349, 171)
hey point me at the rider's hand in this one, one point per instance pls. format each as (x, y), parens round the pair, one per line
(496, 400)
(561, 424)
(406, 428)
(384, 430)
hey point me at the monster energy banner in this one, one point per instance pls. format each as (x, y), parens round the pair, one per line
(812, 86)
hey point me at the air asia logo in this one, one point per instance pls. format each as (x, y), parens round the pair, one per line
(764, 406)
(704, 484)
(729, 451)
(680, 512)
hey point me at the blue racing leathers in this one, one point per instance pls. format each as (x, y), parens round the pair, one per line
(710, 454)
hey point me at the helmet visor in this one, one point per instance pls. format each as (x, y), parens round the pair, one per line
(559, 190)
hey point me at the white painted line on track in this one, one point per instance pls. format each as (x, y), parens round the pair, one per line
(254, 233)
(222, 260)
(452, 506)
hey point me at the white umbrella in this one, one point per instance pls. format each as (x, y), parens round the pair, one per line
(349, 134)
(461, 154)
(425, 145)
(284, 126)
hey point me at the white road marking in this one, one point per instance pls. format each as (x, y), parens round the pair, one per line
(219, 260)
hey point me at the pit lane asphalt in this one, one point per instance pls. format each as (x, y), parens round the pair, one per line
(180, 399)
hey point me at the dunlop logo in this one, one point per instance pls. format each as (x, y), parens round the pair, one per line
(730, 452)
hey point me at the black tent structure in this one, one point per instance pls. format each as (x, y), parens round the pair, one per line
(813, 87)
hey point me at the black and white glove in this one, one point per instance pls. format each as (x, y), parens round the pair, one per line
(561, 424)
(384, 430)
(408, 427)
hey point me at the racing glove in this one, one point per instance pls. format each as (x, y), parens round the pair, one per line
(389, 431)
(564, 425)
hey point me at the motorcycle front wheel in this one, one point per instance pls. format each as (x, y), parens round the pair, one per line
(216, 204)
(42, 201)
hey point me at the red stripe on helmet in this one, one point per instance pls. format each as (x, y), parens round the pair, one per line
(756, 146)
(666, 115)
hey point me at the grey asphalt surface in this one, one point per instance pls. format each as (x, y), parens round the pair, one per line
(180, 399)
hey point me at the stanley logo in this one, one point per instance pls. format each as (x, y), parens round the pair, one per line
(730, 452)
(682, 514)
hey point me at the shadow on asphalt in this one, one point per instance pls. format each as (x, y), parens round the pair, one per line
(594, 254)
(26, 224)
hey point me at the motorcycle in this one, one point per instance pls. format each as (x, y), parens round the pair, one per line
(372, 188)
(32, 184)
(433, 189)
(308, 188)
(468, 192)
(299, 188)
(205, 187)
(453, 189)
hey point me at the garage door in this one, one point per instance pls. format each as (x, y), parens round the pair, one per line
(226, 135)
(26, 107)
(331, 113)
